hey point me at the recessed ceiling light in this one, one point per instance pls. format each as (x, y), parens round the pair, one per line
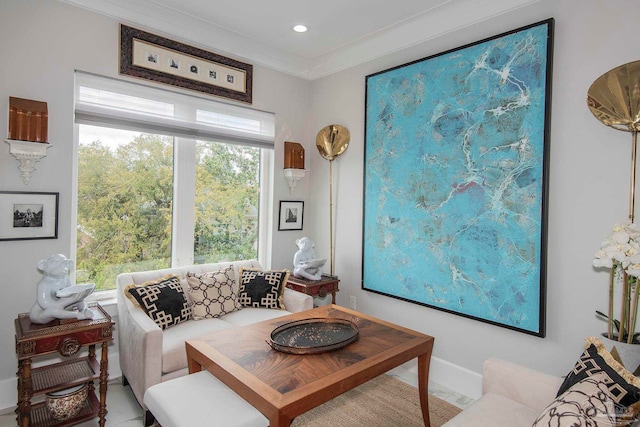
(300, 28)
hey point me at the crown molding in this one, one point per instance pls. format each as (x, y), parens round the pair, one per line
(450, 16)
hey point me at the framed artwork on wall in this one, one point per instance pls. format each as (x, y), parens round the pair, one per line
(28, 216)
(156, 58)
(456, 178)
(291, 214)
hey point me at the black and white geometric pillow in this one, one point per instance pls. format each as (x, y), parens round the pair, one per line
(162, 300)
(262, 289)
(212, 293)
(587, 403)
(623, 386)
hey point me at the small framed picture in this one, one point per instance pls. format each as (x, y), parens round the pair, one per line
(25, 216)
(291, 214)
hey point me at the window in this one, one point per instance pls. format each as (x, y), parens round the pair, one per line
(166, 179)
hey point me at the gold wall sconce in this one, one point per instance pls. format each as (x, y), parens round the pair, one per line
(28, 133)
(294, 169)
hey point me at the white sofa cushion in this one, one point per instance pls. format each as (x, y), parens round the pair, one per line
(524, 385)
(494, 410)
(248, 316)
(174, 354)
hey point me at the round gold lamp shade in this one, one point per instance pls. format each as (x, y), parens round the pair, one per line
(331, 142)
(614, 99)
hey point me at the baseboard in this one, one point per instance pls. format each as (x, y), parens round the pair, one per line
(8, 395)
(454, 377)
(8, 387)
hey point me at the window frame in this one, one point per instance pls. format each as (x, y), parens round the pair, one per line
(183, 215)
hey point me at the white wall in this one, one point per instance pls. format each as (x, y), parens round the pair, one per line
(589, 174)
(42, 42)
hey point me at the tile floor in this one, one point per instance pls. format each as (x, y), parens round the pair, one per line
(124, 410)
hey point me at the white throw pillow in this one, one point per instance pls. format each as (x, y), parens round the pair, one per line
(213, 293)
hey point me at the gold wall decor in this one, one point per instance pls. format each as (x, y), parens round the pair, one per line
(156, 58)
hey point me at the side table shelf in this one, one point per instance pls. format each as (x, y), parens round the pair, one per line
(64, 375)
(67, 339)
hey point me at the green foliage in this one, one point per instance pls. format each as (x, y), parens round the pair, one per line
(125, 207)
(227, 191)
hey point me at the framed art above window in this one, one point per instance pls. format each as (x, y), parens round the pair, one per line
(156, 58)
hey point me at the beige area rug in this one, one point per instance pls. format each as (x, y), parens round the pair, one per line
(382, 402)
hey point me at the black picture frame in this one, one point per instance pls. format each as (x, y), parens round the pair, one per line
(156, 58)
(291, 215)
(28, 215)
(456, 180)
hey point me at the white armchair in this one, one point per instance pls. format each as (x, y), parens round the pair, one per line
(512, 396)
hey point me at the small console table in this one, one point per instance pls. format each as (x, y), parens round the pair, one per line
(66, 338)
(316, 288)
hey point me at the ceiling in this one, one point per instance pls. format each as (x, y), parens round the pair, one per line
(342, 33)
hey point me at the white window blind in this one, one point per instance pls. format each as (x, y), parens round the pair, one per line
(103, 101)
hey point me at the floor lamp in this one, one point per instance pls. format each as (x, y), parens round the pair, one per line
(331, 142)
(614, 98)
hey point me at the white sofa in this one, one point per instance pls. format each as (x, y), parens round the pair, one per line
(512, 396)
(150, 355)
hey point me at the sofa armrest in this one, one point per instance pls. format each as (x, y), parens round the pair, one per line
(295, 301)
(529, 387)
(140, 346)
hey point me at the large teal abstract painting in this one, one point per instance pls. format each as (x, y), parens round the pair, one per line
(456, 166)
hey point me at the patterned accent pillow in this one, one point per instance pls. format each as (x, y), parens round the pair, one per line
(163, 300)
(586, 403)
(262, 288)
(212, 293)
(623, 386)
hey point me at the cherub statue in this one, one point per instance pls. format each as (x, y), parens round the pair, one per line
(305, 263)
(55, 297)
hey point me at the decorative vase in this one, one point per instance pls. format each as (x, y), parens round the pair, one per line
(629, 353)
(66, 404)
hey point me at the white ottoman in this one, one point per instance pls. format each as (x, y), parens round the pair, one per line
(200, 399)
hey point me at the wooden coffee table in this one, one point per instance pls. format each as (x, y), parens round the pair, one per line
(283, 386)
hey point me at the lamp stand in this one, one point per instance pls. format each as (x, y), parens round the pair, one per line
(632, 191)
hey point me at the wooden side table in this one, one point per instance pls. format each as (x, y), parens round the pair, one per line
(67, 339)
(316, 288)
